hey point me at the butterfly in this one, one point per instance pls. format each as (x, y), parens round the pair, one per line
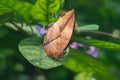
(58, 35)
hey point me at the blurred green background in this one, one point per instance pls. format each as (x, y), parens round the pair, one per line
(105, 13)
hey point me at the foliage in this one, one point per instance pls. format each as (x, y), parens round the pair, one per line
(80, 62)
(98, 43)
(23, 15)
(44, 9)
(41, 11)
(18, 8)
(34, 53)
(88, 27)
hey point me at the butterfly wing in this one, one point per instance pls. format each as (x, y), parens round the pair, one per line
(58, 35)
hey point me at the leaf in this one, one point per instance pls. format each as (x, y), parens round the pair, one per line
(5, 18)
(3, 8)
(98, 43)
(81, 62)
(31, 50)
(19, 8)
(44, 9)
(88, 27)
(83, 76)
(30, 29)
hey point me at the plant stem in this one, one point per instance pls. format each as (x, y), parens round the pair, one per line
(100, 32)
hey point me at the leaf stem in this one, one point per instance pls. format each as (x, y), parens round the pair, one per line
(100, 32)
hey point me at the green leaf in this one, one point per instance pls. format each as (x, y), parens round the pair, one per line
(19, 8)
(30, 29)
(83, 76)
(5, 18)
(88, 27)
(34, 53)
(97, 43)
(44, 9)
(78, 61)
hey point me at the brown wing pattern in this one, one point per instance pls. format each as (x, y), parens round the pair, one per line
(58, 35)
